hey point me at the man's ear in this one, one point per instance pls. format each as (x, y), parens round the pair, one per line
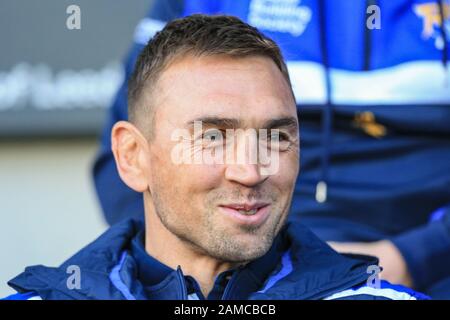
(130, 149)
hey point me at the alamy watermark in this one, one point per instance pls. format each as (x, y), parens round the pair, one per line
(374, 19)
(373, 280)
(73, 21)
(74, 279)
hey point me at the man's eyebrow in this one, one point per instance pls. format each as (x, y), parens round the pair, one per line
(216, 122)
(282, 122)
(290, 122)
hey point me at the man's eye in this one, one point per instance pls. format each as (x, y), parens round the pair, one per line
(278, 136)
(279, 141)
(212, 136)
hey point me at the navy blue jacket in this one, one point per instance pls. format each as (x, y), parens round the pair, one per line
(306, 268)
(374, 111)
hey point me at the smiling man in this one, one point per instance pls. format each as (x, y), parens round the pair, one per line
(213, 229)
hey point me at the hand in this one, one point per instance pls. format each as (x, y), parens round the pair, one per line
(394, 266)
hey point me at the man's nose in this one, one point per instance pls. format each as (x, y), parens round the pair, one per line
(244, 168)
(245, 174)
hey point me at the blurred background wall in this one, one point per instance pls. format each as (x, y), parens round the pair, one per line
(55, 85)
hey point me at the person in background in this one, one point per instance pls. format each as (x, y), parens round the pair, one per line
(374, 106)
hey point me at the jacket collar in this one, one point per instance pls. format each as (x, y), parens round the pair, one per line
(150, 271)
(310, 269)
(298, 266)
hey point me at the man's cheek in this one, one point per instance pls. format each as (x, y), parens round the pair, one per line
(292, 167)
(203, 176)
(288, 168)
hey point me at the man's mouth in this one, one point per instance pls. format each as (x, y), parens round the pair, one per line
(247, 213)
(247, 209)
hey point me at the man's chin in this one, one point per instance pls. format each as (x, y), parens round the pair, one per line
(244, 246)
(243, 255)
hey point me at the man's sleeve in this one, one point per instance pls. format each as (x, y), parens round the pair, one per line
(116, 199)
(426, 250)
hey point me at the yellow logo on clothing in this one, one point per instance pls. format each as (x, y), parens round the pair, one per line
(432, 22)
(366, 121)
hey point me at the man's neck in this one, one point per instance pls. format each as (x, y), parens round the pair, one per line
(167, 248)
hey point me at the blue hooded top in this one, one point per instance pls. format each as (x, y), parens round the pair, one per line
(301, 267)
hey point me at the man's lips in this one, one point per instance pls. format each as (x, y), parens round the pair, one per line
(245, 206)
(247, 213)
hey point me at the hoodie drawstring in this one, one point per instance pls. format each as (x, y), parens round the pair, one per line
(327, 110)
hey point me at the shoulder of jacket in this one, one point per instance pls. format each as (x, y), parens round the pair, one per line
(23, 296)
(384, 291)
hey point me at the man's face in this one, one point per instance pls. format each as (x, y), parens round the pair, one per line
(229, 210)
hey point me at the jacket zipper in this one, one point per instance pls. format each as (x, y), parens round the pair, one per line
(180, 276)
(230, 284)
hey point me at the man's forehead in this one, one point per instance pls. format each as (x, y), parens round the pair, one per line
(248, 90)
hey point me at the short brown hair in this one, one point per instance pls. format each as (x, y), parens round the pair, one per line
(197, 35)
